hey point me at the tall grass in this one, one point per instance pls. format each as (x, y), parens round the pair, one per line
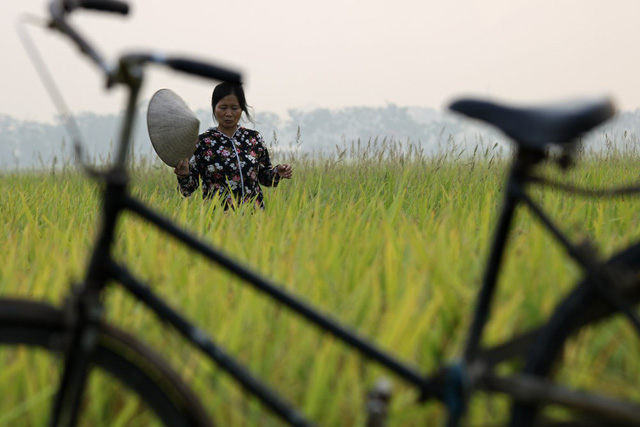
(383, 238)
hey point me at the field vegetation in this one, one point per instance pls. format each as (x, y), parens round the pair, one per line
(381, 237)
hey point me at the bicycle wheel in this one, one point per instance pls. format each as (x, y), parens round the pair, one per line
(585, 323)
(30, 338)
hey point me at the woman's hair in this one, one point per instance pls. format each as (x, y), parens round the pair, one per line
(226, 89)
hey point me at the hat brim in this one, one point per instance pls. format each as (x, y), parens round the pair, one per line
(173, 127)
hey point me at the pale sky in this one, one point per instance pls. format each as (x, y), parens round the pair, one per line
(341, 53)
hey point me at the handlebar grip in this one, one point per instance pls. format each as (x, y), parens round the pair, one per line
(115, 6)
(204, 70)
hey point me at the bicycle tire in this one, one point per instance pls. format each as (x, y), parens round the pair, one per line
(33, 324)
(582, 308)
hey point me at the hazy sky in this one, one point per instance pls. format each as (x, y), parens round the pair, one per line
(340, 53)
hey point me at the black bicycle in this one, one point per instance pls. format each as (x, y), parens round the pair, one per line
(77, 334)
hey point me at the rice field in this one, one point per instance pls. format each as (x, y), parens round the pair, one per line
(390, 242)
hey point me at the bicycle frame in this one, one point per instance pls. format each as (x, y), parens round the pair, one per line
(450, 384)
(450, 389)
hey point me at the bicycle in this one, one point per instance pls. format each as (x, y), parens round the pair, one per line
(86, 344)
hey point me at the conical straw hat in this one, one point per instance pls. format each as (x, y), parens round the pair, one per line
(173, 127)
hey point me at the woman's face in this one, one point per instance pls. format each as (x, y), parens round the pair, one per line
(228, 112)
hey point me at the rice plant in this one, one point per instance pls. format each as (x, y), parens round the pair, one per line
(379, 235)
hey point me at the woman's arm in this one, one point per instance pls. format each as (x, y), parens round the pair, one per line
(268, 175)
(188, 177)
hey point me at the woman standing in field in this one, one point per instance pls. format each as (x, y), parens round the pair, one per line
(230, 160)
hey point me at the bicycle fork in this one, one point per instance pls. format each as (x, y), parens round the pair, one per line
(83, 312)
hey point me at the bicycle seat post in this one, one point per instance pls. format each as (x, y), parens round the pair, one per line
(519, 174)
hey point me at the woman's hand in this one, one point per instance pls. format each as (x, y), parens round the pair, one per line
(284, 171)
(182, 168)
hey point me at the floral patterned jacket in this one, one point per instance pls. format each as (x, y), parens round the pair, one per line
(233, 167)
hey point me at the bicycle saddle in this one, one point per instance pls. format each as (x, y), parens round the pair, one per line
(535, 127)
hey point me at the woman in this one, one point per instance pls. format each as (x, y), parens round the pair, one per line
(230, 160)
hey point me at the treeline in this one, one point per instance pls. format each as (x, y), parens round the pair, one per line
(35, 144)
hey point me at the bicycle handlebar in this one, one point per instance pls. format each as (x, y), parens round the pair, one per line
(127, 70)
(203, 69)
(59, 8)
(115, 6)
